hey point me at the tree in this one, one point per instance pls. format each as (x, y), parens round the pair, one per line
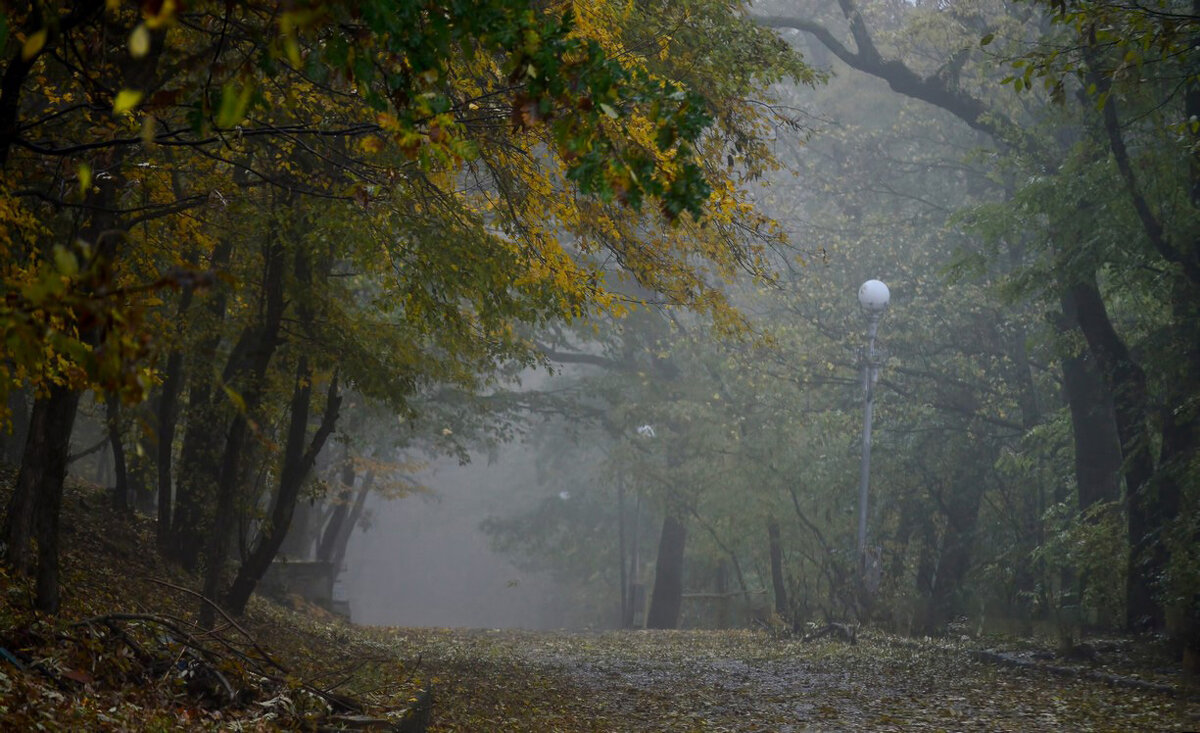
(378, 112)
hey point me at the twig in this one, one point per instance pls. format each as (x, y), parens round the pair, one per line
(348, 703)
(228, 619)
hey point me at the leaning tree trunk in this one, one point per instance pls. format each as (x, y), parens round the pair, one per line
(1127, 382)
(298, 462)
(330, 533)
(341, 540)
(666, 600)
(251, 357)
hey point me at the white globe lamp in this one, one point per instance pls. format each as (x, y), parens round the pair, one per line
(873, 295)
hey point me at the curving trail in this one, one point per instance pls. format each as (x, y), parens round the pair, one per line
(748, 682)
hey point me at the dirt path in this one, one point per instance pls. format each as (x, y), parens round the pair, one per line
(749, 682)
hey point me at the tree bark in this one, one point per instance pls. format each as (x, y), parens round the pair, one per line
(199, 459)
(1127, 382)
(166, 414)
(775, 546)
(199, 456)
(61, 411)
(298, 462)
(340, 513)
(297, 459)
(120, 489)
(14, 442)
(48, 416)
(666, 599)
(1094, 430)
(623, 574)
(337, 559)
(251, 357)
(1179, 458)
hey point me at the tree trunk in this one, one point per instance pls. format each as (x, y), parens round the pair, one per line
(341, 511)
(14, 442)
(1127, 383)
(1093, 426)
(622, 575)
(298, 462)
(337, 558)
(775, 545)
(189, 514)
(666, 600)
(942, 570)
(635, 588)
(35, 505)
(338, 517)
(120, 489)
(199, 459)
(63, 407)
(49, 434)
(218, 538)
(1178, 461)
(251, 357)
(166, 414)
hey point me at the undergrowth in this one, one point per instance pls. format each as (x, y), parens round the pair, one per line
(125, 651)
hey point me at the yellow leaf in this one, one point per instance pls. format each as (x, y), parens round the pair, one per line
(65, 261)
(292, 49)
(126, 100)
(85, 178)
(166, 12)
(33, 44)
(139, 41)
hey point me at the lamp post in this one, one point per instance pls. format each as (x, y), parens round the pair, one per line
(873, 296)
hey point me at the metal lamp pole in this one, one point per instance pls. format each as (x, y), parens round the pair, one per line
(873, 296)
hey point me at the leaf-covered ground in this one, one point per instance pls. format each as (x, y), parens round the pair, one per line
(749, 681)
(125, 655)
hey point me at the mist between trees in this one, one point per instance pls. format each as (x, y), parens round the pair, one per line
(262, 267)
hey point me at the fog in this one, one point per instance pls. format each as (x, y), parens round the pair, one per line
(1021, 417)
(425, 562)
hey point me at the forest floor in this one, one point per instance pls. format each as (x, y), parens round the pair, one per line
(125, 654)
(748, 681)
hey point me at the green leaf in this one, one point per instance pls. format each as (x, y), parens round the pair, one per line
(233, 105)
(987, 39)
